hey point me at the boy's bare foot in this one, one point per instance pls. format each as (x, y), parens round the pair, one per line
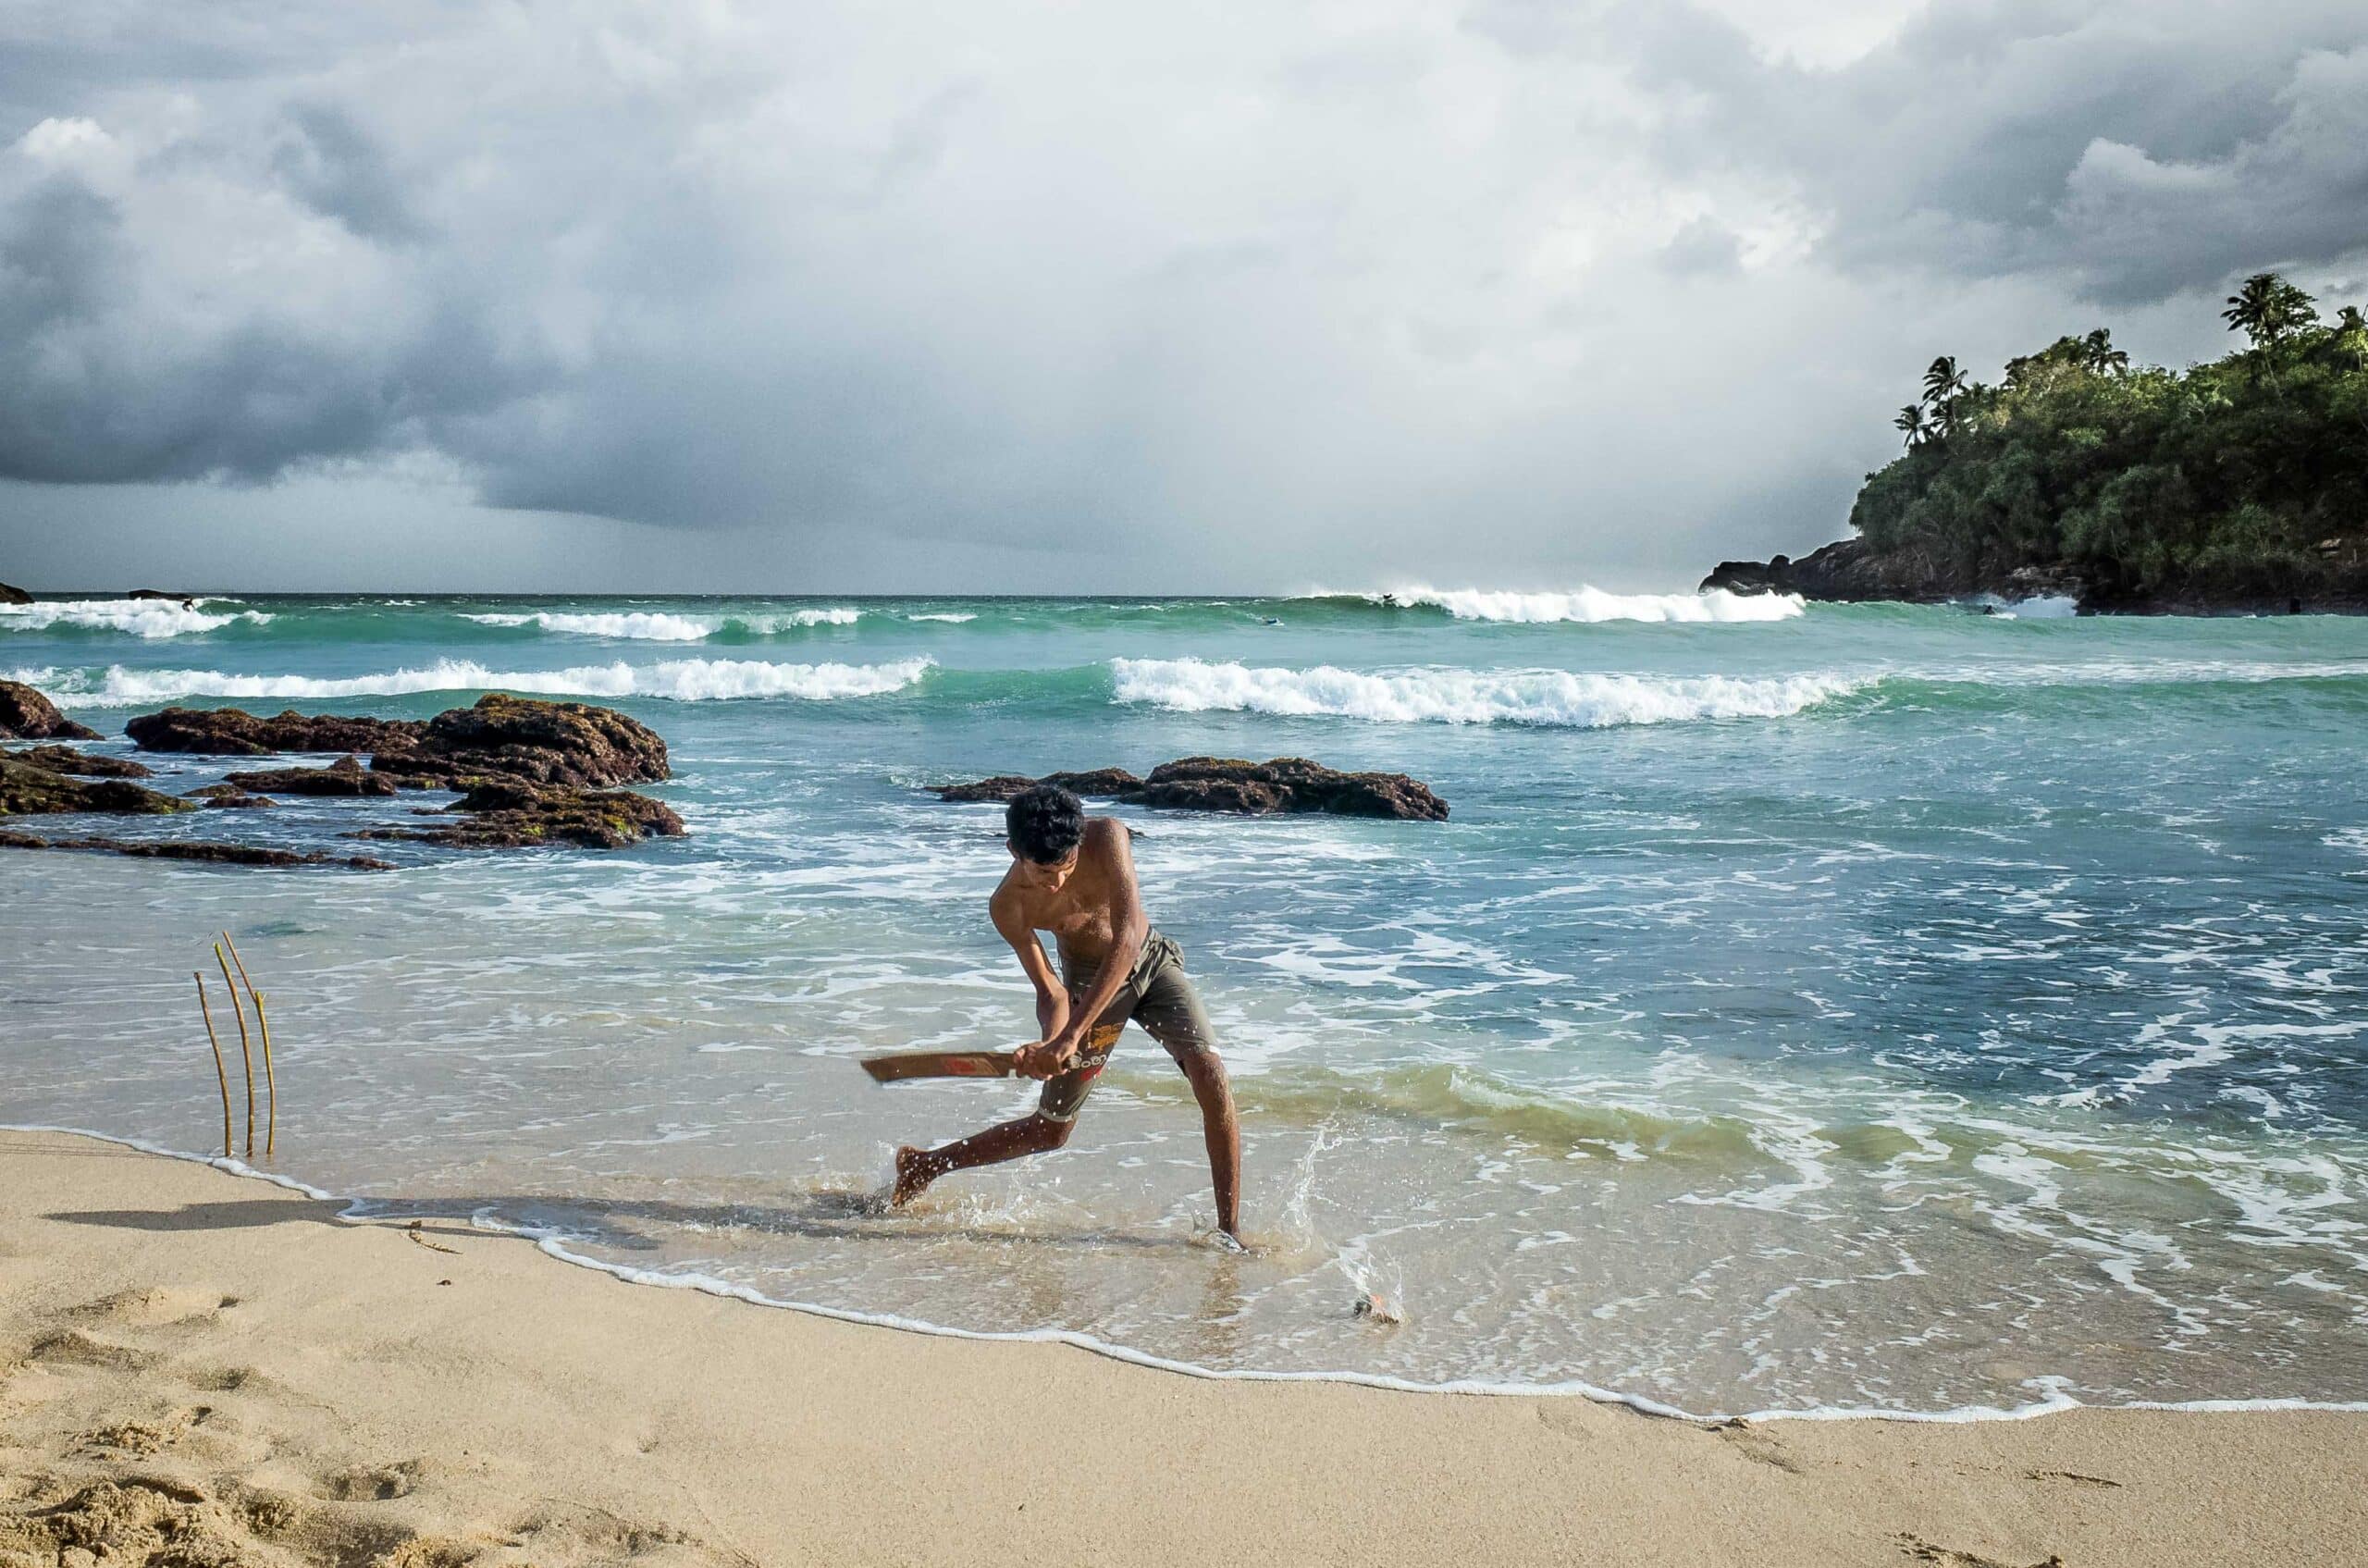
(913, 1176)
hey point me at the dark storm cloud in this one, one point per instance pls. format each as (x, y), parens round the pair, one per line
(2136, 148)
(338, 171)
(1232, 287)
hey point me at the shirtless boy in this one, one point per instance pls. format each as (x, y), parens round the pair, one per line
(1074, 876)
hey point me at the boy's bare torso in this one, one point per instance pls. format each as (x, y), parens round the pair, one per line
(1082, 912)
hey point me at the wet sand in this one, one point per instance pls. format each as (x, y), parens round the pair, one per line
(199, 1368)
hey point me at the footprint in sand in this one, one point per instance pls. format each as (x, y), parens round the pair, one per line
(1754, 1444)
(148, 1436)
(372, 1483)
(152, 1306)
(1921, 1550)
(75, 1348)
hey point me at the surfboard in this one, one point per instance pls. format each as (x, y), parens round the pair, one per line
(898, 1066)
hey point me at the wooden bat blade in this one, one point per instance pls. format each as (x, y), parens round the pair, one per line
(901, 1064)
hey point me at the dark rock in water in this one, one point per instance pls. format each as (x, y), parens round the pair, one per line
(534, 771)
(343, 777)
(25, 714)
(1216, 783)
(231, 732)
(66, 760)
(1002, 786)
(1853, 572)
(186, 849)
(187, 601)
(1097, 782)
(513, 813)
(1101, 782)
(226, 797)
(27, 791)
(13, 595)
(571, 744)
(1291, 783)
(549, 743)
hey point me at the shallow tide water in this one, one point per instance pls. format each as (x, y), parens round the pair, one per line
(1804, 1009)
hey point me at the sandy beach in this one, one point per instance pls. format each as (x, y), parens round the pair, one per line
(203, 1368)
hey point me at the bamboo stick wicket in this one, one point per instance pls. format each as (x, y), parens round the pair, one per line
(221, 1074)
(270, 1078)
(245, 1051)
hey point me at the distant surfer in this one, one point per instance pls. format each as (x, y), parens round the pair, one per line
(1074, 875)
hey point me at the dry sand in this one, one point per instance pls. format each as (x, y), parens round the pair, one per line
(200, 1369)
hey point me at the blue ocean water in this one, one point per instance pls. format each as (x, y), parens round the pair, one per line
(1826, 1007)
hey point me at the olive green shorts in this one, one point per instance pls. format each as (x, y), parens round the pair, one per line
(1157, 995)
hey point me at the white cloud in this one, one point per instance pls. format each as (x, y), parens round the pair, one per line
(57, 144)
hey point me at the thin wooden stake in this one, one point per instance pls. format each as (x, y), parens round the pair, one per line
(221, 1075)
(270, 1078)
(245, 1052)
(270, 1083)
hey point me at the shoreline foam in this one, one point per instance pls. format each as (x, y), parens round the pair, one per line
(550, 1241)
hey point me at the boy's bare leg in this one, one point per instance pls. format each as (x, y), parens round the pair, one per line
(1221, 1126)
(1034, 1133)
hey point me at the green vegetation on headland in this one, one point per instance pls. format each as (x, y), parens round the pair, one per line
(2238, 485)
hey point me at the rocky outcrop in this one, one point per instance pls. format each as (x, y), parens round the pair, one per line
(1288, 783)
(187, 601)
(188, 849)
(83, 764)
(1852, 571)
(231, 732)
(13, 595)
(228, 798)
(25, 714)
(570, 744)
(530, 772)
(1102, 783)
(513, 813)
(344, 777)
(1221, 783)
(27, 791)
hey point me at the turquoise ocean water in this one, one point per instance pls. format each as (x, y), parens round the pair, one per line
(1839, 1008)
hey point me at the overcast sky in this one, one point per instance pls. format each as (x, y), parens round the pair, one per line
(814, 296)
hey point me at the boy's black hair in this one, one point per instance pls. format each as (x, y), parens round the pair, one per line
(1044, 823)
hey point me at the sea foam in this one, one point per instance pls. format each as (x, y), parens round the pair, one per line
(1553, 698)
(685, 680)
(1588, 605)
(138, 617)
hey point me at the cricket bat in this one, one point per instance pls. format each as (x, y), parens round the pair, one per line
(898, 1066)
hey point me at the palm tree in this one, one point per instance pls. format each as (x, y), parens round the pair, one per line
(1911, 420)
(2266, 308)
(2099, 355)
(2350, 340)
(1943, 381)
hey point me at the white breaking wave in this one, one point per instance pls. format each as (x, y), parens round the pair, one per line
(2042, 607)
(951, 615)
(140, 617)
(657, 626)
(839, 616)
(1589, 605)
(686, 680)
(648, 626)
(1555, 698)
